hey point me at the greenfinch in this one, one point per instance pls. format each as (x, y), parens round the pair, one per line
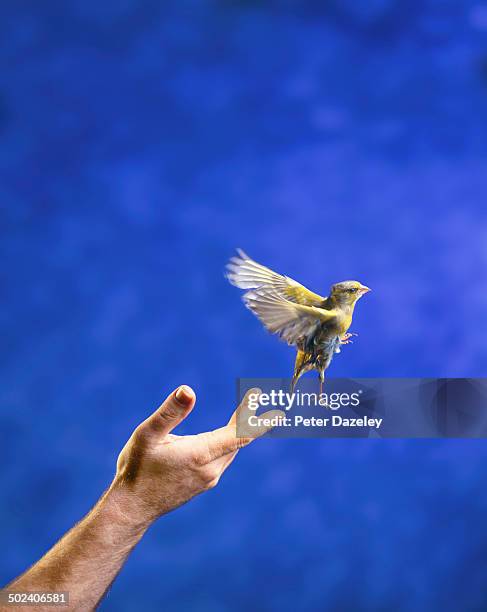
(316, 326)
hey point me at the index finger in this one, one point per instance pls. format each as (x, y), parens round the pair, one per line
(225, 440)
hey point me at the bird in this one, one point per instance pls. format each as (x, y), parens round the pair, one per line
(316, 326)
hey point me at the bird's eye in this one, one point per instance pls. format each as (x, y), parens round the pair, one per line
(353, 289)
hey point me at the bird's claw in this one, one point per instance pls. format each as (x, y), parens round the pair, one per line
(345, 339)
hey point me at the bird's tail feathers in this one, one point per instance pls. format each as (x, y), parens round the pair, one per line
(301, 366)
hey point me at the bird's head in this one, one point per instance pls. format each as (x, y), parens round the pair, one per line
(348, 292)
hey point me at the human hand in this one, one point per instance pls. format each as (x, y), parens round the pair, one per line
(158, 471)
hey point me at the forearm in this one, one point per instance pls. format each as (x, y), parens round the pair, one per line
(87, 559)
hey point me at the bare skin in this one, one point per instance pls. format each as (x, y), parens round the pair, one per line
(157, 472)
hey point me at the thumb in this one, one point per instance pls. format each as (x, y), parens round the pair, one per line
(172, 411)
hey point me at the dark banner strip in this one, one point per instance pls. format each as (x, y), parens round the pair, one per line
(366, 408)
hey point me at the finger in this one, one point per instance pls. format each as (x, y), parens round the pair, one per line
(225, 440)
(240, 415)
(246, 407)
(242, 411)
(172, 411)
(222, 463)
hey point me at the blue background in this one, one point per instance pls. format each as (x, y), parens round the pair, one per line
(140, 143)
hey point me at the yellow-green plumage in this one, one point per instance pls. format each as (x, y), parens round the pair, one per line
(315, 325)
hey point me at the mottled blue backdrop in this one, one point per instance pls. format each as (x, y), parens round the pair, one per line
(140, 143)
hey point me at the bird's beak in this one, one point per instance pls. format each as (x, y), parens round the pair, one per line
(363, 290)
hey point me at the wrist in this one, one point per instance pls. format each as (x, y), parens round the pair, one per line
(125, 508)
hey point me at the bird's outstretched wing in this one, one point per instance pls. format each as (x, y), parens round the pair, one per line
(284, 306)
(246, 273)
(289, 320)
